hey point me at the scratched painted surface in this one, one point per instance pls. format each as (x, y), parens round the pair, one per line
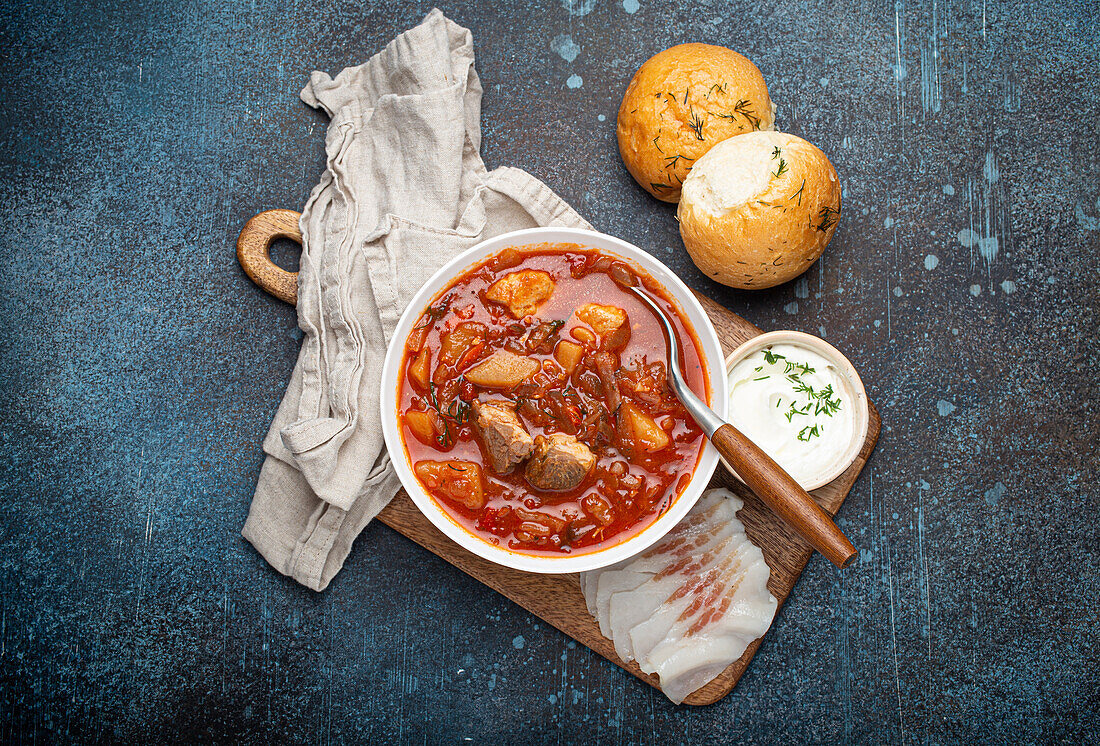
(139, 369)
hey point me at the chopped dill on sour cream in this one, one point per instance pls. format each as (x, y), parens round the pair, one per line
(792, 402)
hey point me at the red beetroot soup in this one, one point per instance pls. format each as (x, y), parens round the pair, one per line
(534, 404)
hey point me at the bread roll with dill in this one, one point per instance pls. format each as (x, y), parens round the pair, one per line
(757, 210)
(682, 102)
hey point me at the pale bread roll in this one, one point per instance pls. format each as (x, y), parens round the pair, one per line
(682, 102)
(758, 209)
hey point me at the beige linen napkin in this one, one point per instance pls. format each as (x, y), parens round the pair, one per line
(404, 191)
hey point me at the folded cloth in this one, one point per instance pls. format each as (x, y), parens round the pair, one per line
(405, 190)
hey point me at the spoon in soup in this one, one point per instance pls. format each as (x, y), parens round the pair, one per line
(767, 479)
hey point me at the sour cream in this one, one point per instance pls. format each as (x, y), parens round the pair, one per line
(797, 406)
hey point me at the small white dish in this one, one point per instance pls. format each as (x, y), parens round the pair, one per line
(691, 310)
(855, 393)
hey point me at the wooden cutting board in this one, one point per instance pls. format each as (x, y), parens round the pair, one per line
(557, 599)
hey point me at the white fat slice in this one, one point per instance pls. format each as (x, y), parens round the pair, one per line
(629, 609)
(610, 583)
(684, 673)
(748, 614)
(652, 631)
(673, 558)
(689, 606)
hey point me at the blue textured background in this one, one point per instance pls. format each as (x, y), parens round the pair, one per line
(139, 369)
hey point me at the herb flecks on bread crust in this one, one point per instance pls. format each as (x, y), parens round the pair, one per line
(682, 102)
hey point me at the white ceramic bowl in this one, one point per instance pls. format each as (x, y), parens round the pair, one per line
(855, 392)
(599, 557)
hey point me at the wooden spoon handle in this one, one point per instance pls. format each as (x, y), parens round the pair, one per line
(254, 252)
(783, 495)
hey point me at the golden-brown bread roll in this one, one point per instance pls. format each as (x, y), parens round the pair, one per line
(682, 102)
(758, 209)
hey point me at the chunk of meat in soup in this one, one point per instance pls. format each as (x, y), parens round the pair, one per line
(503, 437)
(560, 462)
(610, 323)
(521, 292)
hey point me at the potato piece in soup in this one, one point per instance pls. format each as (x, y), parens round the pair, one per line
(460, 340)
(502, 370)
(521, 292)
(639, 431)
(420, 369)
(461, 482)
(568, 355)
(422, 425)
